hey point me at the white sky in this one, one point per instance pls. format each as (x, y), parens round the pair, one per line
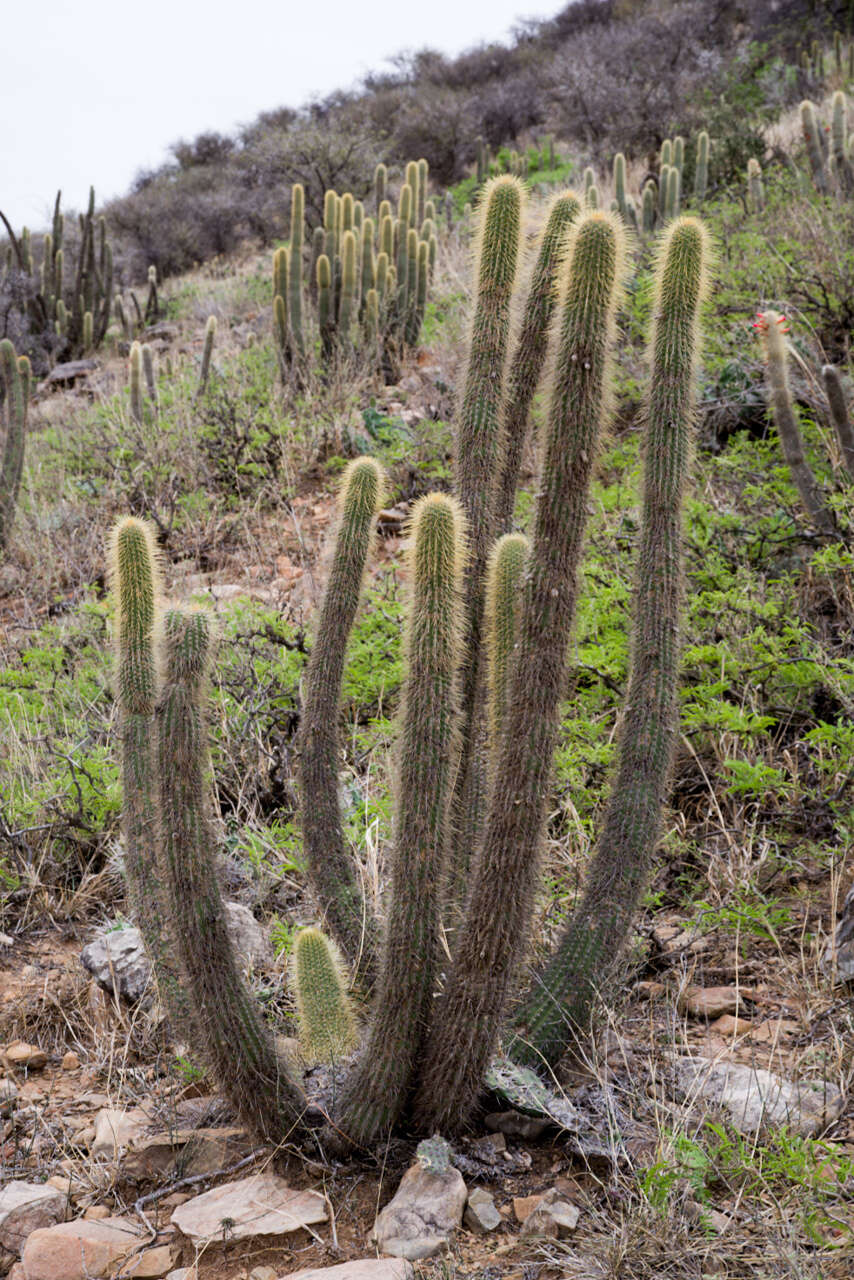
(93, 92)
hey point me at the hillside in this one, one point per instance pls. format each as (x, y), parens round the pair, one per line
(234, 456)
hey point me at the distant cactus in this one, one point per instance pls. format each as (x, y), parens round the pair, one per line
(663, 190)
(136, 412)
(772, 330)
(347, 304)
(674, 192)
(207, 352)
(620, 182)
(812, 140)
(148, 372)
(325, 310)
(648, 208)
(380, 185)
(16, 380)
(327, 1027)
(701, 167)
(666, 156)
(295, 279)
(423, 178)
(839, 415)
(755, 188)
(839, 144)
(679, 155)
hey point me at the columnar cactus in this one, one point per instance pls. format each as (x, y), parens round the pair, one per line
(620, 182)
(327, 1026)
(238, 1044)
(148, 372)
(136, 383)
(480, 446)
(207, 353)
(663, 190)
(16, 380)
(135, 573)
(559, 1003)
(526, 366)
(755, 188)
(329, 866)
(839, 415)
(498, 912)
(380, 185)
(701, 167)
(812, 140)
(347, 309)
(839, 143)
(648, 203)
(504, 581)
(772, 330)
(280, 308)
(295, 280)
(378, 1088)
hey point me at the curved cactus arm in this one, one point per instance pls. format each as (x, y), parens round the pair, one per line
(557, 1008)
(376, 1092)
(329, 866)
(466, 1019)
(237, 1041)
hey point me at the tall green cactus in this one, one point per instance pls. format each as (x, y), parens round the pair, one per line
(648, 208)
(772, 330)
(347, 308)
(701, 167)
(839, 415)
(812, 141)
(325, 310)
(480, 446)
(16, 380)
(423, 179)
(135, 369)
(327, 1026)
(295, 278)
(135, 573)
(526, 365)
(329, 866)
(465, 1024)
(380, 185)
(237, 1042)
(558, 1005)
(620, 182)
(839, 143)
(376, 1092)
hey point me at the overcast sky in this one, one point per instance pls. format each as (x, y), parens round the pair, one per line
(94, 92)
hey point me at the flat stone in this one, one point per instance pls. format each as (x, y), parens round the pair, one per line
(151, 1263)
(708, 1002)
(422, 1216)
(756, 1099)
(364, 1269)
(553, 1217)
(481, 1215)
(70, 1061)
(727, 1025)
(117, 1129)
(20, 1056)
(524, 1206)
(263, 1205)
(79, 1250)
(262, 1273)
(196, 1150)
(24, 1207)
(97, 1213)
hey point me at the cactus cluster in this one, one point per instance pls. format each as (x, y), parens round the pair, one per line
(663, 194)
(486, 651)
(369, 275)
(73, 292)
(830, 156)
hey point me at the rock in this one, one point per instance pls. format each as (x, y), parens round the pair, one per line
(754, 1098)
(20, 1056)
(553, 1217)
(97, 1213)
(70, 1061)
(8, 1097)
(152, 1263)
(79, 1250)
(117, 961)
(120, 953)
(423, 1214)
(196, 1150)
(116, 1129)
(63, 375)
(263, 1273)
(24, 1207)
(17, 1272)
(708, 1002)
(263, 1205)
(481, 1214)
(489, 1147)
(363, 1269)
(163, 329)
(727, 1025)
